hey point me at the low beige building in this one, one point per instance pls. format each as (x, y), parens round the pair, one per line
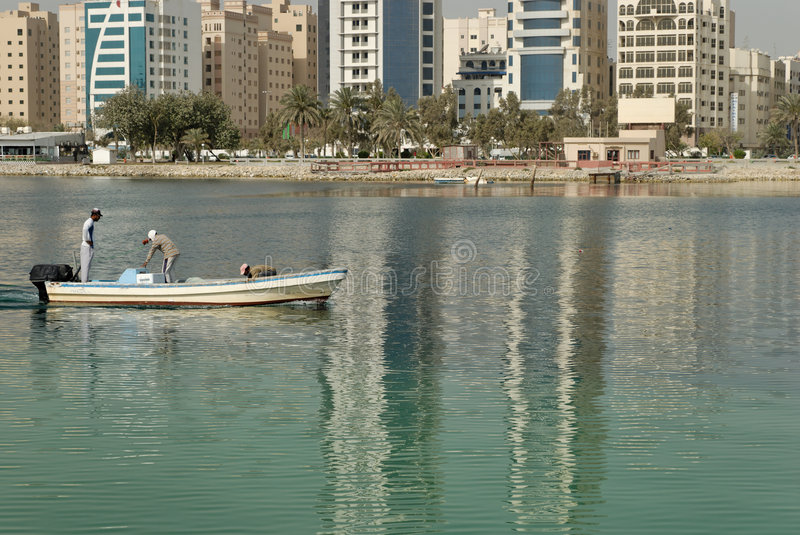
(641, 137)
(29, 76)
(630, 147)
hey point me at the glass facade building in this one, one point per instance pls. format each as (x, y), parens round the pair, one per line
(555, 45)
(401, 52)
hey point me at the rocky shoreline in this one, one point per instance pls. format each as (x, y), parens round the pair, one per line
(743, 171)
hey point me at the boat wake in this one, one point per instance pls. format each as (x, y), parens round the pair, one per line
(13, 296)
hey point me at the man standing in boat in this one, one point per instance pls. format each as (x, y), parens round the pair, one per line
(87, 243)
(164, 244)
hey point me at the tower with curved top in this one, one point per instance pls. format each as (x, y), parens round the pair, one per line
(151, 44)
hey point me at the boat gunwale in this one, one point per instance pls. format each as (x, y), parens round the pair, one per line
(210, 283)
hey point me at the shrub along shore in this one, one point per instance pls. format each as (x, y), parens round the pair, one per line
(725, 172)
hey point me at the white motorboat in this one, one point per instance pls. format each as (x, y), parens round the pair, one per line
(141, 290)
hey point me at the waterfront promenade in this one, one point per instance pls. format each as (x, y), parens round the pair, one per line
(723, 171)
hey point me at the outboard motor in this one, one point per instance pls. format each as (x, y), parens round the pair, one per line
(42, 273)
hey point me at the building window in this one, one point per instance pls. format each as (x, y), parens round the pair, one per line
(584, 155)
(633, 155)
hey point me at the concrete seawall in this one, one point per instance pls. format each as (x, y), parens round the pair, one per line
(725, 172)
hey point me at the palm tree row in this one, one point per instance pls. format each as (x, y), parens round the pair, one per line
(369, 120)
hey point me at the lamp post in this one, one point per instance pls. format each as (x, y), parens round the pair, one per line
(266, 94)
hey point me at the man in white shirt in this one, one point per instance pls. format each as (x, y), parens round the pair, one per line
(87, 243)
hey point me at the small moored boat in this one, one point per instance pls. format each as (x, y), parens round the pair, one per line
(449, 181)
(56, 286)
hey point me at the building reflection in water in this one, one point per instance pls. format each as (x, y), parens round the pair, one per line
(380, 391)
(556, 432)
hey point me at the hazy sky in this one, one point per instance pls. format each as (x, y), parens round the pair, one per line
(769, 25)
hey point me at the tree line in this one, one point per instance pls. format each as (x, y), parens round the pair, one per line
(176, 121)
(379, 123)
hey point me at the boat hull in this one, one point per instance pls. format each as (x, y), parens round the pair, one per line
(308, 286)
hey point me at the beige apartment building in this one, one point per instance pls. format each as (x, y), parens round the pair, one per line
(29, 71)
(299, 22)
(250, 62)
(73, 90)
(678, 49)
(275, 70)
(230, 57)
(465, 35)
(751, 94)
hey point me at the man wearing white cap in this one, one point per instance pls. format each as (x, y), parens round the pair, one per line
(87, 243)
(171, 253)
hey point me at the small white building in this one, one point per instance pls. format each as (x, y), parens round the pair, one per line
(104, 155)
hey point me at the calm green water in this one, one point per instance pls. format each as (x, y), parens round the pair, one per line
(588, 360)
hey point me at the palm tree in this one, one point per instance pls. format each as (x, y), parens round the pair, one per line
(787, 112)
(394, 121)
(347, 106)
(774, 137)
(195, 138)
(301, 107)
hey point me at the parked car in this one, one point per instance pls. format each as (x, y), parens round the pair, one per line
(770, 157)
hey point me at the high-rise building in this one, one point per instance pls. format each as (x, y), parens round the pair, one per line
(791, 73)
(71, 20)
(395, 41)
(751, 94)
(30, 73)
(231, 58)
(555, 45)
(324, 49)
(249, 64)
(301, 23)
(470, 36)
(678, 49)
(148, 43)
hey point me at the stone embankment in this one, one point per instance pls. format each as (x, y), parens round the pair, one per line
(742, 171)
